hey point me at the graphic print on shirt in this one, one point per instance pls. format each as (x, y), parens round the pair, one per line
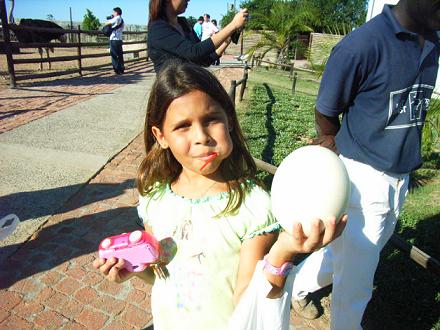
(408, 107)
(188, 272)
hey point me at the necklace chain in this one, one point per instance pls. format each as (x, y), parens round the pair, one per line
(204, 192)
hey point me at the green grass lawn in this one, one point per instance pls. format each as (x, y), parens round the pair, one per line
(275, 122)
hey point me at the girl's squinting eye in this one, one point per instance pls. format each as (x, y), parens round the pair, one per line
(181, 126)
(214, 118)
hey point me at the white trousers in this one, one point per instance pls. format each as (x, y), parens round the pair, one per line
(351, 260)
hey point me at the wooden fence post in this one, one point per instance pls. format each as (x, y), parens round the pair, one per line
(243, 83)
(295, 77)
(79, 51)
(232, 91)
(7, 43)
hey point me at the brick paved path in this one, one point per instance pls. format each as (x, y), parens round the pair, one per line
(29, 102)
(49, 282)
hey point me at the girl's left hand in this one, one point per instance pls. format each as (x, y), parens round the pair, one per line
(297, 242)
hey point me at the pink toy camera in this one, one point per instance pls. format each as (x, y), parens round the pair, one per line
(139, 249)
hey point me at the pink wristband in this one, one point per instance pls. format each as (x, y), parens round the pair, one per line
(283, 271)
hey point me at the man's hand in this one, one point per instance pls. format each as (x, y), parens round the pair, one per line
(327, 141)
(326, 128)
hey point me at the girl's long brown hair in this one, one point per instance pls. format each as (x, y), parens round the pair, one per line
(159, 165)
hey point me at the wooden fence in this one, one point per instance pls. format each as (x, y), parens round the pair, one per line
(293, 75)
(235, 84)
(9, 45)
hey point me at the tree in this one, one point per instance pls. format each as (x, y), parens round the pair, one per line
(335, 15)
(50, 17)
(320, 15)
(228, 17)
(258, 11)
(280, 27)
(90, 21)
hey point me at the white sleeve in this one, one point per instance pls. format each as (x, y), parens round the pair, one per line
(257, 312)
(142, 209)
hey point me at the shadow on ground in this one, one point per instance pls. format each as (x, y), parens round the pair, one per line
(407, 296)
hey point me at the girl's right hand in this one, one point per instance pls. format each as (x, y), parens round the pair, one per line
(113, 269)
(240, 18)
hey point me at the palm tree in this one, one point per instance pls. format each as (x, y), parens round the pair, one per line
(431, 130)
(281, 26)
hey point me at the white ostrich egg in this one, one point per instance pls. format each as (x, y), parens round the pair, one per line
(311, 182)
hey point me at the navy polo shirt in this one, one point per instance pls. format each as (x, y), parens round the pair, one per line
(381, 79)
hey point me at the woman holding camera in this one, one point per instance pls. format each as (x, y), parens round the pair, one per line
(170, 36)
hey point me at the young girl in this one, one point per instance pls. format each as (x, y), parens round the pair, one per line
(200, 197)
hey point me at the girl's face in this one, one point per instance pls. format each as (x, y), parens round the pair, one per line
(178, 6)
(195, 127)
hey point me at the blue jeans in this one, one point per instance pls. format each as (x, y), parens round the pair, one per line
(117, 56)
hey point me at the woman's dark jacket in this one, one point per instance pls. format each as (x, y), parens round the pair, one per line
(165, 42)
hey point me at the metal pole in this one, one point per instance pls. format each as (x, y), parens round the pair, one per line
(7, 42)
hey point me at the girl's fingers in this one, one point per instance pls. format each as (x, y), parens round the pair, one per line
(314, 240)
(107, 266)
(330, 232)
(98, 262)
(114, 274)
(297, 233)
(341, 225)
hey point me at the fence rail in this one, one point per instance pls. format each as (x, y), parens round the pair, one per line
(10, 45)
(64, 45)
(14, 27)
(70, 57)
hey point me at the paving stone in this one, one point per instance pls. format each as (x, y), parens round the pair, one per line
(135, 316)
(9, 299)
(92, 319)
(68, 286)
(15, 322)
(50, 320)
(29, 309)
(86, 295)
(3, 314)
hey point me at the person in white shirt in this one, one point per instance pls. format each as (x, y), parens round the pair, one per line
(117, 23)
(208, 29)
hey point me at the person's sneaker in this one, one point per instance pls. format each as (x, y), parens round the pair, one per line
(305, 308)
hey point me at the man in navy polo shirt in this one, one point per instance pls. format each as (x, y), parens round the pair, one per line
(380, 77)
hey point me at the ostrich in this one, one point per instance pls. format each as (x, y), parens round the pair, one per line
(36, 36)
